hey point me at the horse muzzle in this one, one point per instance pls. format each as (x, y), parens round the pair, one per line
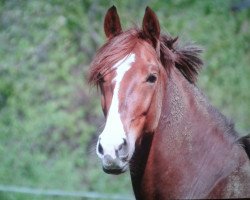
(113, 166)
(115, 158)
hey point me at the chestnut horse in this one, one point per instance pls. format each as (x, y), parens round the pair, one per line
(158, 123)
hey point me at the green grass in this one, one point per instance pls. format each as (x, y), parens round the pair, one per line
(49, 115)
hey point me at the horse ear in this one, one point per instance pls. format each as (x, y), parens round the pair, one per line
(151, 25)
(112, 25)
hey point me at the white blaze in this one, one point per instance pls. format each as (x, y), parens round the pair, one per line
(113, 133)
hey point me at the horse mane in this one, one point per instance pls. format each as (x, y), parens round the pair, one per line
(186, 59)
(245, 142)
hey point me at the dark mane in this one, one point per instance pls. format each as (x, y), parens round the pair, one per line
(245, 142)
(185, 59)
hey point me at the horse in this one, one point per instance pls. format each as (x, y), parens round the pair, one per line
(159, 124)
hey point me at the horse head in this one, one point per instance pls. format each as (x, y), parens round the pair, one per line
(129, 73)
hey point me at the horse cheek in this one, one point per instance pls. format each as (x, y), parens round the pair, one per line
(154, 112)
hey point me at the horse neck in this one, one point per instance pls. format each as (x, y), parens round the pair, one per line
(188, 119)
(190, 144)
(201, 140)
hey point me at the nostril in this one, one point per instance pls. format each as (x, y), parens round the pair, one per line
(100, 149)
(122, 150)
(121, 146)
(124, 142)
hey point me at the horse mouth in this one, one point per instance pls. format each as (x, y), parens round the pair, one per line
(115, 171)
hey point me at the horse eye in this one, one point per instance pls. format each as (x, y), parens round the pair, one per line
(151, 78)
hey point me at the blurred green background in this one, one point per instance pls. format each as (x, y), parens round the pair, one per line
(50, 116)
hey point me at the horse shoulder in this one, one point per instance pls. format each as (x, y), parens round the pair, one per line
(237, 183)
